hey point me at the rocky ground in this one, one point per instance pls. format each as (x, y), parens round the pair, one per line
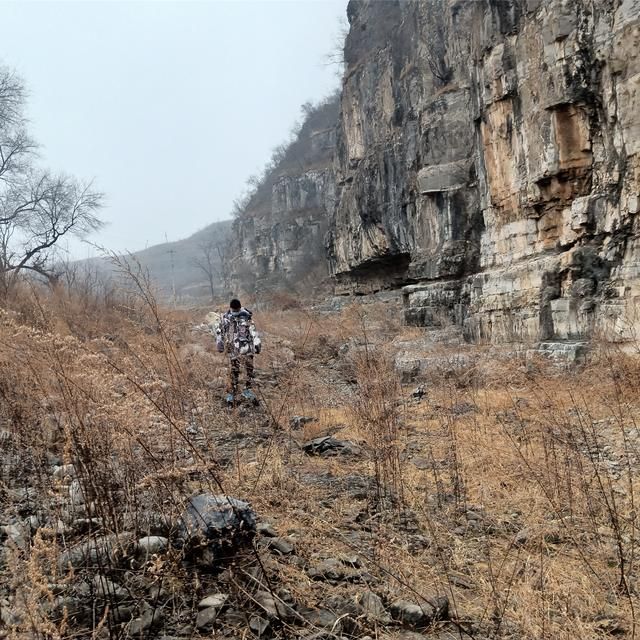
(392, 484)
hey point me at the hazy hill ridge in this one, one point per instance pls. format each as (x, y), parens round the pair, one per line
(179, 270)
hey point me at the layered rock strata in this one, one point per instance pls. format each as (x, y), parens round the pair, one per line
(279, 236)
(488, 156)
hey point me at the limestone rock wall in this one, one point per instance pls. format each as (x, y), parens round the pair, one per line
(278, 238)
(287, 240)
(488, 158)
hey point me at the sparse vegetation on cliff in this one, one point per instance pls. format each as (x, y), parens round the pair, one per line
(294, 156)
(282, 219)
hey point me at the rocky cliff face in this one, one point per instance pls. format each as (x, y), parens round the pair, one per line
(279, 234)
(488, 156)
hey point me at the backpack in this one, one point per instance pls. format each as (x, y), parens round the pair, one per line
(240, 332)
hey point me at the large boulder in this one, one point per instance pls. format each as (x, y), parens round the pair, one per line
(214, 527)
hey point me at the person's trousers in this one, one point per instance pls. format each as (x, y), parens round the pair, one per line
(234, 369)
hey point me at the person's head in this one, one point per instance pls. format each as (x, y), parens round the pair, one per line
(235, 305)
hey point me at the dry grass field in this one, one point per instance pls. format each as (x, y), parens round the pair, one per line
(495, 494)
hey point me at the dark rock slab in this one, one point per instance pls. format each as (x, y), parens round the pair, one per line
(420, 615)
(330, 446)
(213, 527)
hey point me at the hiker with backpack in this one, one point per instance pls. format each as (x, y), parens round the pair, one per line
(237, 336)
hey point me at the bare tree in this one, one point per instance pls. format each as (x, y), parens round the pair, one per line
(336, 55)
(213, 261)
(37, 208)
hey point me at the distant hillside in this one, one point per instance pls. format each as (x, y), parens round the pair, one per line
(183, 264)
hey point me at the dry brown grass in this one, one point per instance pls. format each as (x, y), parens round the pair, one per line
(511, 487)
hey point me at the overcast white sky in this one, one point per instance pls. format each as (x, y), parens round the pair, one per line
(170, 106)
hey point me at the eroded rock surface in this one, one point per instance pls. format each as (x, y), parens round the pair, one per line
(279, 236)
(488, 157)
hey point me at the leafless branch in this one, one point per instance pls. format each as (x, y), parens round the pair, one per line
(37, 208)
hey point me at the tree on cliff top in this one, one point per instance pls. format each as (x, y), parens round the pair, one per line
(37, 207)
(294, 156)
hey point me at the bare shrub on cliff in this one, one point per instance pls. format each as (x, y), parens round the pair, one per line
(293, 155)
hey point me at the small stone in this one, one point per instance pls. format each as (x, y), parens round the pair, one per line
(138, 626)
(149, 618)
(266, 530)
(258, 625)
(206, 617)
(329, 569)
(97, 552)
(122, 613)
(107, 589)
(83, 590)
(234, 618)
(407, 613)
(214, 600)
(373, 607)
(321, 618)
(157, 593)
(297, 422)
(416, 615)
(274, 608)
(69, 606)
(152, 544)
(282, 545)
(343, 605)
